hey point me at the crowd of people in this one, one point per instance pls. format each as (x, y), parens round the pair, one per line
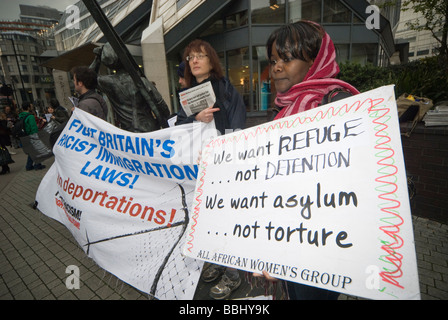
(85, 83)
(303, 70)
(33, 122)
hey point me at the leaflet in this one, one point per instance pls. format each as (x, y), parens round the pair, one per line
(198, 98)
(74, 101)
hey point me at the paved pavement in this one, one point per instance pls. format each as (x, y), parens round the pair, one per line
(36, 250)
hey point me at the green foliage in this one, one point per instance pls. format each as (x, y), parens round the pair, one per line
(425, 78)
(365, 78)
(432, 16)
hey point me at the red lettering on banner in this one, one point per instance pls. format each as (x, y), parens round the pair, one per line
(122, 205)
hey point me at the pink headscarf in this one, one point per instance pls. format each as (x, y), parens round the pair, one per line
(319, 81)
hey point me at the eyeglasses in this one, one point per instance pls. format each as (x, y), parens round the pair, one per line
(199, 57)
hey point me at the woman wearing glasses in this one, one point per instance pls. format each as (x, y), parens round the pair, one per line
(202, 64)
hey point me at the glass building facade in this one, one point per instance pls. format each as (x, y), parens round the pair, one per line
(238, 30)
(239, 34)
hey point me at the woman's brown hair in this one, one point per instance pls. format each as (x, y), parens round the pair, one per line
(205, 47)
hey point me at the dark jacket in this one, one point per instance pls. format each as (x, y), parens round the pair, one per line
(93, 103)
(4, 134)
(232, 114)
(61, 114)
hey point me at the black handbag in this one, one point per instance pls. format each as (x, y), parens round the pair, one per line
(5, 157)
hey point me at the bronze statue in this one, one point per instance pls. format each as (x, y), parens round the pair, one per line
(133, 108)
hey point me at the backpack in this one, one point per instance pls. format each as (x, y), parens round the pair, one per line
(335, 95)
(19, 128)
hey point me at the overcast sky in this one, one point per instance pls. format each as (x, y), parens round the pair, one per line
(9, 9)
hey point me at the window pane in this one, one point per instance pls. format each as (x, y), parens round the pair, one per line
(262, 83)
(237, 20)
(304, 10)
(336, 12)
(180, 3)
(216, 27)
(342, 51)
(239, 73)
(272, 11)
(364, 53)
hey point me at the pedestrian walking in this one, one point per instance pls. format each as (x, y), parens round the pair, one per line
(30, 129)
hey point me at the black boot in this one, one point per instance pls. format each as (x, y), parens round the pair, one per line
(5, 169)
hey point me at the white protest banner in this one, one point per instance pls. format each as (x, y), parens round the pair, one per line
(126, 197)
(318, 198)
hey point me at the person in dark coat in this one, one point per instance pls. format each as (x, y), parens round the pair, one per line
(229, 112)
(30, 128)
(4, 142)
(11, 117)
(202, 65)
(59, 114)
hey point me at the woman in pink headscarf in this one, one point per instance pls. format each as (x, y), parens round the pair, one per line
(303, 70)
